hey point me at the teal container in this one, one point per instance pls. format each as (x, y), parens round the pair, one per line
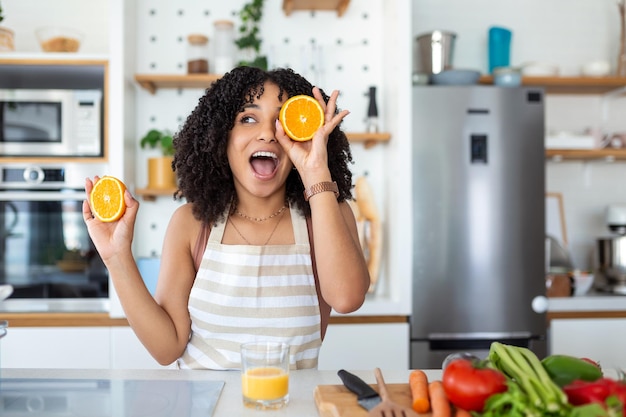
(499, 47)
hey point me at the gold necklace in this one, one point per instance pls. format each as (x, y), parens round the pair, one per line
(260, 219)
(268, 238)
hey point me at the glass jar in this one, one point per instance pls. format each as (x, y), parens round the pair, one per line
(224, 44)
(198, 54)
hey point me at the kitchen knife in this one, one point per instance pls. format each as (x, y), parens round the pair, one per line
(366, 396)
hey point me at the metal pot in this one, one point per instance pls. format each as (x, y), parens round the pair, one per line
(433, 52)
(611, 268)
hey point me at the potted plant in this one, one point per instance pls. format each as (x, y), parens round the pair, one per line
(160, 173)
(249, 41)
(6, 36)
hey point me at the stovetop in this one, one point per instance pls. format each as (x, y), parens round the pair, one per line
(108, 397)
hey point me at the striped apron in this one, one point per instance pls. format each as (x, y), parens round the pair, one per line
(244, 293)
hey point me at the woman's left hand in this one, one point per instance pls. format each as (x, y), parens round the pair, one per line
(310, 157)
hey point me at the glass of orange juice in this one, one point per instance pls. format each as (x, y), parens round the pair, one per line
(265, 375)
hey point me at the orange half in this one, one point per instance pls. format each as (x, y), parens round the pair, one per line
(107, 199)
(301, 116)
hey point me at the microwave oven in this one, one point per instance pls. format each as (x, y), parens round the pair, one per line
(51, 123)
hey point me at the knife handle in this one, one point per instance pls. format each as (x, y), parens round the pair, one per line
(355, 384)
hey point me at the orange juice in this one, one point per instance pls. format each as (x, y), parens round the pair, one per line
(265, 383)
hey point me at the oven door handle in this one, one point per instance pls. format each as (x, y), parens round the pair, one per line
(42, 195)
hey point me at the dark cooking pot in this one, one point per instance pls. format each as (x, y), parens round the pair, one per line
(611, 258)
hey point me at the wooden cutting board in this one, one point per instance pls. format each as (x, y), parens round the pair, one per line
(338, 401)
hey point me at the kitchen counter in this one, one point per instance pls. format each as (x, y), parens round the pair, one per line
(301, 385)
(95, 312)
(591, 305)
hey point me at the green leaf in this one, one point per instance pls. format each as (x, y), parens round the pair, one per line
(159, 139)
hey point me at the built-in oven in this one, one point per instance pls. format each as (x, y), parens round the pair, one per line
(45, 250)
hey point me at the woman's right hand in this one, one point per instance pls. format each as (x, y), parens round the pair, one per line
(115, 237)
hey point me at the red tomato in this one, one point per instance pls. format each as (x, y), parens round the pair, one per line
(468, 385)
(585, 392)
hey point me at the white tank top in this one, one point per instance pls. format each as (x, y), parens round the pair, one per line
(243, 293)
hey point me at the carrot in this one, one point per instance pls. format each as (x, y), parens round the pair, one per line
(459, 412)
(439, 403)
(418, 382)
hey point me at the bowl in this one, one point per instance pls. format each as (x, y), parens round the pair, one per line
(59, 39)
(596, 69)
(507, 77)
(455, 77)
(540, 69)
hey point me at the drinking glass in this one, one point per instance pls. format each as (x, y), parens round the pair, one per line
(265, 375)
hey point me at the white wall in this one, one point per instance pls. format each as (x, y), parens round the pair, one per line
(568, 33)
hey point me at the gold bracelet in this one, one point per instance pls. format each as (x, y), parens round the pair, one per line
(321, 187)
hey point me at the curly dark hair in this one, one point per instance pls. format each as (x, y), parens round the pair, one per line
(200, 162)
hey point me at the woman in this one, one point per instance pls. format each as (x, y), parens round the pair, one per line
(248, 256)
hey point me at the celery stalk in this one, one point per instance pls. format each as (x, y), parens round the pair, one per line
(523, 366)
(543, 376)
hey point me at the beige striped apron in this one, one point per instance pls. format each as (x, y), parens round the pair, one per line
(244, 293)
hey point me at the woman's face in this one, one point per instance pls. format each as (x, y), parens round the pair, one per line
(259, 164)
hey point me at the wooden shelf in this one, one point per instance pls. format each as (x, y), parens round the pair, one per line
(339, 5)
(52, 58)
(150, 194)
(152, 82)
(369, 139)
(570, 85)
(606, 154)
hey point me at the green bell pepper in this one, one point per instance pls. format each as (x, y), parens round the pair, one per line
(564, 369)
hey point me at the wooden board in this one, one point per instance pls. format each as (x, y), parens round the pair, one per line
(338, 401)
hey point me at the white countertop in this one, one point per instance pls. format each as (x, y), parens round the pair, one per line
(301, 385)
(589, 302)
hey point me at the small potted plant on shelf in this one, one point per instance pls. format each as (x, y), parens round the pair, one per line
(160, 172)
(6, 36)
(249, 41)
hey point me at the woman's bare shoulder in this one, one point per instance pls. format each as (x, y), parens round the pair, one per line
(184, 223)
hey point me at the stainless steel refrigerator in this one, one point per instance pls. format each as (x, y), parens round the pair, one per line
(478, 220)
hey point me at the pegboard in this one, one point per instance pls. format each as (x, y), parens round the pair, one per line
(343, 53)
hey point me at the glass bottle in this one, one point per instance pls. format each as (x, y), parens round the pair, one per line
(224, 46)
(197, 54)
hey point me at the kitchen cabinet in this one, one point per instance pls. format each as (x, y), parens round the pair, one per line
(127, 352)
(75, 348)
(601, 339)
(56, 347)
(106, 344)
(365, 346)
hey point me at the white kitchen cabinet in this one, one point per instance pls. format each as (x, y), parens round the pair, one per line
(365, 347)
(602, 340)
(56, 347)
(127, 352)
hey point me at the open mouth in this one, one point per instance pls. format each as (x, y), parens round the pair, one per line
(264, 163)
